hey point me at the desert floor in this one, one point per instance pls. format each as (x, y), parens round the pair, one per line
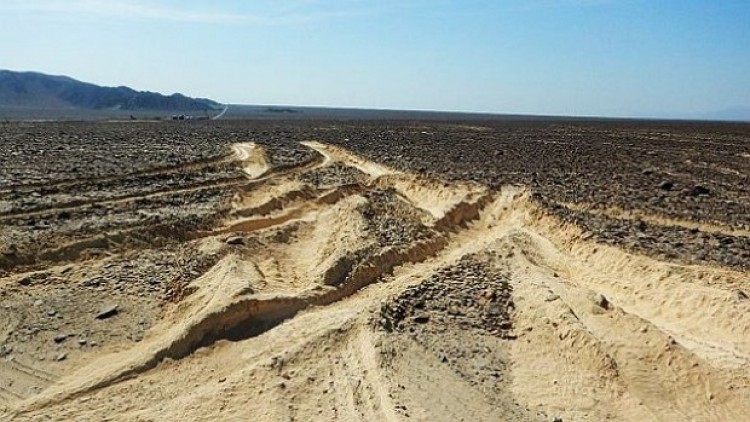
(375, 271)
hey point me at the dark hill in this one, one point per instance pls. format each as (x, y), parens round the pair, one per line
(31, 90)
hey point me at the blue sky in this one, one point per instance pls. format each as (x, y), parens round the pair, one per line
(653, 58)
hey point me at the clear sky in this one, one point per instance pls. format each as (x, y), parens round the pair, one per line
(666, 58)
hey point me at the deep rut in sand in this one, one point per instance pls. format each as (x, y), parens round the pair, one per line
(589, 332)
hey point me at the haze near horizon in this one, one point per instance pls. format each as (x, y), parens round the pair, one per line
(620, 58)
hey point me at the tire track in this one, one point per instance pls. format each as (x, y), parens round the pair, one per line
(598, 333)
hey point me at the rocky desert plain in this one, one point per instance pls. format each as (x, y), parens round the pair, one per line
(311, 270)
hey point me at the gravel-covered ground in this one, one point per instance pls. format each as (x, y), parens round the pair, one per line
(599, 163)
(676, 172)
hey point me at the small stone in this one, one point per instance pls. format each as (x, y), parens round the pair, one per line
(108, 311)
(235, 240)
(666, 185)
(505, 325)
(699, 190)
(601, 301)
(421, 318)
(60, 338)
(741, 295)
(61, 357)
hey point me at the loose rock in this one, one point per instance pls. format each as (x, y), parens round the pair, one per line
(108, 311)
(235, 240)
(601, 301)
(666, 185)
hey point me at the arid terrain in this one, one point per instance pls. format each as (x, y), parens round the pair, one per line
(484, 270)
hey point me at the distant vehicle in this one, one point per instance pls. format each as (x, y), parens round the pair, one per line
(188, 117)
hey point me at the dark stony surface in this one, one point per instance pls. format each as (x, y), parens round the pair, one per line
(391, 220)
(285, 152)
(57, 236)
(71, 187)
(457, 313)
(35, 153)
(673, 242)
(336, 174)
(615, 163)
(48, 308)
(78, 193)
(621, 163)
(685, 171)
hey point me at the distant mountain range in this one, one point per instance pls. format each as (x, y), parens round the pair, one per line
(34, 95)
(36, 91)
